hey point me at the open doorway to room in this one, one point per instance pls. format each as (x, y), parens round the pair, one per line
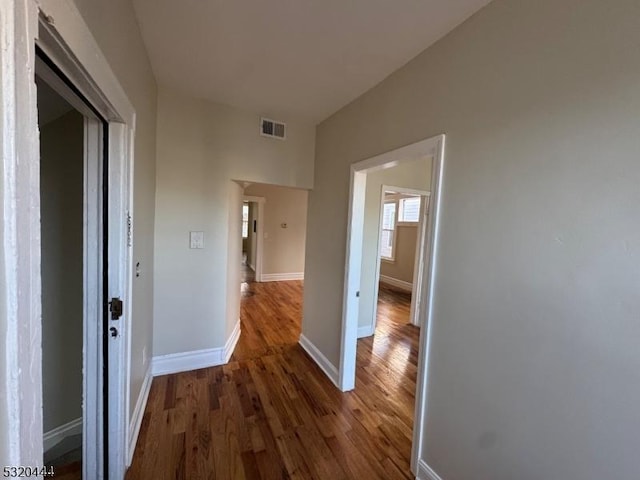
(249, 227)
(273, 236)
(57, 55)
(62, 264)
(393, 360)
(84, 265)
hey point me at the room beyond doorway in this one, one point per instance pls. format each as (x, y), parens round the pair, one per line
(274, 221)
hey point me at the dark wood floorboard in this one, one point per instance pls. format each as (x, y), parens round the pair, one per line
(272, 414)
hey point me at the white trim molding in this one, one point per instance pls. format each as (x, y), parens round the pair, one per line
(194, 360)
(435, 148)
(258, 254)
(282, 277)
(366, 331)
(394, 282)
(138, 414)
(185, 361)
(20, 316)
(232, 341)
(53, 437)
(316, 355)
(425, 472)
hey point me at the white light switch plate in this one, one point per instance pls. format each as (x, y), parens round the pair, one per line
(196, 239)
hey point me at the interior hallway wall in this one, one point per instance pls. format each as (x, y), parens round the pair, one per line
(234, 256)
(202, 147)
(534, 367)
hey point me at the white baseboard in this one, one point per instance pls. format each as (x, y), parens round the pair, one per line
(185, 361)
(232, 341)
(138, 413)
(317, 356)
(366, 331)
(394, 282)
(55, 436)
(281, 277)
(425, 472)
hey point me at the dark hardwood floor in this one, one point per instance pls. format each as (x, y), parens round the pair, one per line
(272, 414)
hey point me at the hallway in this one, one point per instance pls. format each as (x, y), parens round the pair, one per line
(271, 413)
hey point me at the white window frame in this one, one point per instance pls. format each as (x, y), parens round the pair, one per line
(400, 210)
(245, 222)
(392, 257)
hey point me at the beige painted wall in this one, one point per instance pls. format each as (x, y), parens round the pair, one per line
(283, 247)
(114, 26)
(202, 147)
(233, 257)
(62, 200)
(414, 174)
(401, 268)
(534, 365)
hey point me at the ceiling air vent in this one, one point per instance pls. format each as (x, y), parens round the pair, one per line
(272, 128)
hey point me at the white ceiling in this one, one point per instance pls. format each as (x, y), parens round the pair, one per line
(289, 58)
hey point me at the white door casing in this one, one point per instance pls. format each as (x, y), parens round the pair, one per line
(259, 201)
(434, 147)
(57, 28)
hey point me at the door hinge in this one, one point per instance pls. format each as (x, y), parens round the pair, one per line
(116, 307)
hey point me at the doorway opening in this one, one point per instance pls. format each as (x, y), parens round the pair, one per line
(252, 244)
(74, 266)
(359, 299)
(62, 198)
(67, 60)
(85, 268)
(272, 233)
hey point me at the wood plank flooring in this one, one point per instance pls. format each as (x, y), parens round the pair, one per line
(272, 414)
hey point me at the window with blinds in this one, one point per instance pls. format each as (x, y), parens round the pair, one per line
(245, 220)
(409, 210)
(387, 236)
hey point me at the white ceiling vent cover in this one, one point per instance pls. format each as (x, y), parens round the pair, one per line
(273, 128)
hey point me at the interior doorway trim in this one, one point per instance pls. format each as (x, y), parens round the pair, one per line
(260, 201)
(434, 147)
(57, 28)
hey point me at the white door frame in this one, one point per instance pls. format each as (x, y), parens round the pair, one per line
(420, 255)
(57, 28)
(259, 232)
(433, 147)
(92, 283)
